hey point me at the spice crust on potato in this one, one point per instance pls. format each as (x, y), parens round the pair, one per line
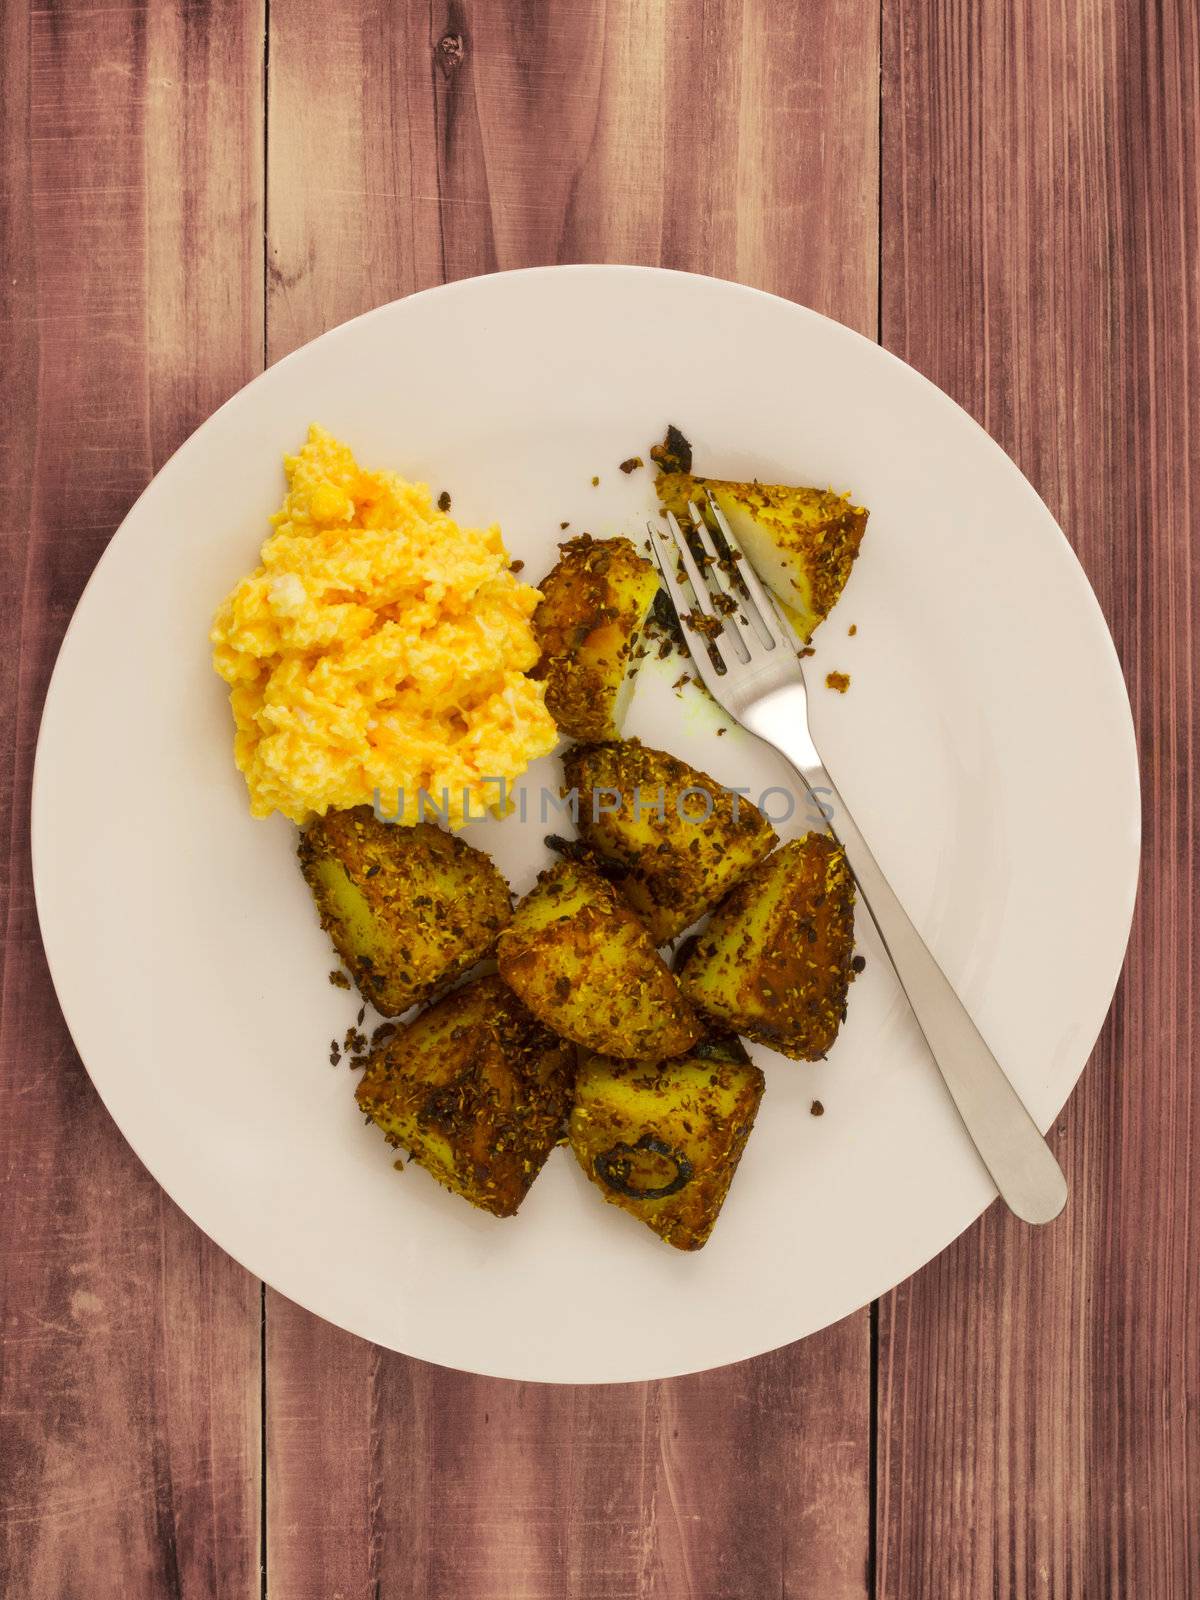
(476, 1090)
(677, 865)
(594, 602)
(663, 1142)
(776, 960)
(802, 542)
(409, 909)
(578, 957)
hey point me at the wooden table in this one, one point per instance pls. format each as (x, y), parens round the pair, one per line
(1004, 192)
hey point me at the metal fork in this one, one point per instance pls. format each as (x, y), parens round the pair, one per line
(759, 681)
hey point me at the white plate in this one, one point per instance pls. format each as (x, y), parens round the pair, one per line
(985, 746)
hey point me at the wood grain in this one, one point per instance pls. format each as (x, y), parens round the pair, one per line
(500, 137)
(131, 281)
(393, 1477)
(1039, 1395)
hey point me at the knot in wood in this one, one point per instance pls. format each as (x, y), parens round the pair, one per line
(450, 50)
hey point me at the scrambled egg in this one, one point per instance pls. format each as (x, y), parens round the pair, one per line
(378, 647)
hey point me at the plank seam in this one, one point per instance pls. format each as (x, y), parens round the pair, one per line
(873, 1409)
(262, 1441)
(262, 1288)
(266, 173)
(879, 182)
(872, 1584)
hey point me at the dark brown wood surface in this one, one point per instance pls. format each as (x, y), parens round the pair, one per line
(1039, 1400)
(130, 306)
(1006, 193)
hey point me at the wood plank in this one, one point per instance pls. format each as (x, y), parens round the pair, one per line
(401, 155)
(130, 305)
(1040, 1393)
(395, 1477)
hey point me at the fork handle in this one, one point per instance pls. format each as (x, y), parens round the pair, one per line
(1021, 1163)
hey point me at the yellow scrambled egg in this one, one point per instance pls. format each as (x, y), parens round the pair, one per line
(379, 647)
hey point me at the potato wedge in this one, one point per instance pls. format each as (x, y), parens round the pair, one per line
(663, 1143)
(774, 963)
(408, 909)
(476, 1090)
(802, 543)
(582, 962)
(594, 602)
(684, 839)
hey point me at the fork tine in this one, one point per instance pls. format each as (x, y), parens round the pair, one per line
(728, 635)
(774, 620)
(667, 560)
(695, 577)
(726, 581)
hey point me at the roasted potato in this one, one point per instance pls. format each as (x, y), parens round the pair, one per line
(594, 602)
(476, 1090)
(802, 543)
(663, 1142)
(679, 863)
(775, 961)
(408, 909)
(582, 962)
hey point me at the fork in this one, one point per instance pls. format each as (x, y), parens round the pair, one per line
(754, 672)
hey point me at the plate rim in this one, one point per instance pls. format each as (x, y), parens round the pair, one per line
(1116, 691)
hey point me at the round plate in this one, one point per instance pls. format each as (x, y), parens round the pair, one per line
(985, 747)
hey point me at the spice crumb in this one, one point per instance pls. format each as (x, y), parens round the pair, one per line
(516, 566)
(721, 732)
(837, 680)
(564, 524)
(808, 650)
(595, 483)
(817, 1109)
(444, 500)
(632, 464)
(339, 980)
(700, 622)
(859, 964)
(852, 630)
